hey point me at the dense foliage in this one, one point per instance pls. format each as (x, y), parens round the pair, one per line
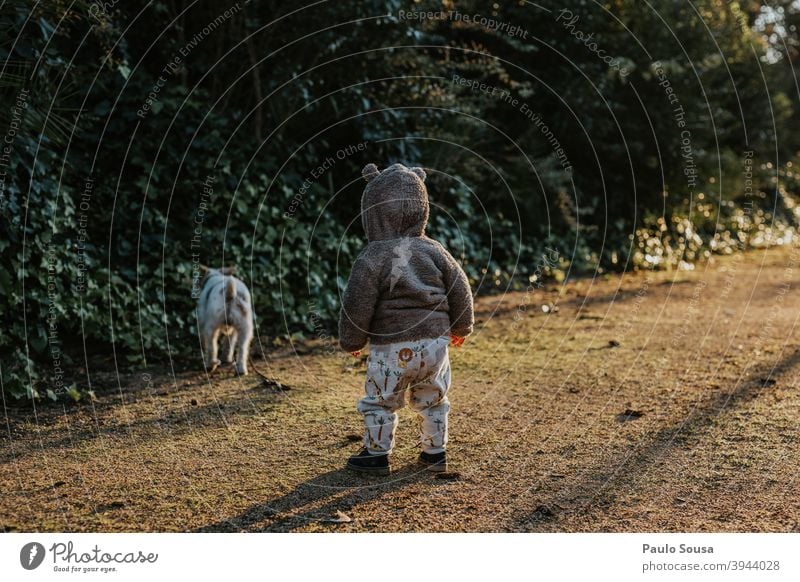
(144, 139)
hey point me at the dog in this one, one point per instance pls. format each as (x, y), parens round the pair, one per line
(224, 309)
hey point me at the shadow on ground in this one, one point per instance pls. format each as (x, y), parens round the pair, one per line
(340, 491)
(163, 419)
(598, 486)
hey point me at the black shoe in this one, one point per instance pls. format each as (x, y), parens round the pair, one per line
(366, 462)
(436, 462)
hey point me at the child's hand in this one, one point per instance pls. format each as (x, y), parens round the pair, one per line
(456, 340)
(356, 353)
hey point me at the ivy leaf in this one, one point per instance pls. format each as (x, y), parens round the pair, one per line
(74, 393)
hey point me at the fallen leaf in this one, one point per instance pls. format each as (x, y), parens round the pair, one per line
(450, 475)
(338, 517)
(112, 505)
(629, 415)
(543, 512)
(273, 385)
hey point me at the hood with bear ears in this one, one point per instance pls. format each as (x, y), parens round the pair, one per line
(395, 202)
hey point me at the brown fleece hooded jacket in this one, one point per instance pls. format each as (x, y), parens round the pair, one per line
(404, 285)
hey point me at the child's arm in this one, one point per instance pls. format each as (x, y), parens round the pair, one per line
(459, 297)
(358, 306)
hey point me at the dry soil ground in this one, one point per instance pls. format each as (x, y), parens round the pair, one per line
(661, 401)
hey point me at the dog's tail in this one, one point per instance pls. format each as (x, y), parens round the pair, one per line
(230, 290)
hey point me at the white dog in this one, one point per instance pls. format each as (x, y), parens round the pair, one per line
(224, 309)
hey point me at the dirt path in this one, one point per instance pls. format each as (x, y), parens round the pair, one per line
(705, 363)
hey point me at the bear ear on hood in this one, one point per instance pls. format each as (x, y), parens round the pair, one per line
(420, 172)
(369, 172)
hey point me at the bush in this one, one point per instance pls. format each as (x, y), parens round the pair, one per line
(141, 153)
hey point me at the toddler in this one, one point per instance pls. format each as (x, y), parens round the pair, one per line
(409, 297)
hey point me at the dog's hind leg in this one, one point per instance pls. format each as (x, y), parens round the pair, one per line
(230, 347)
(243, 346)
(212, 340)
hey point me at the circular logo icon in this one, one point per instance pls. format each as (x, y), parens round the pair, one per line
(31, 555)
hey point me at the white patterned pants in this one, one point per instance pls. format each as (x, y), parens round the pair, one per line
(420, 368)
